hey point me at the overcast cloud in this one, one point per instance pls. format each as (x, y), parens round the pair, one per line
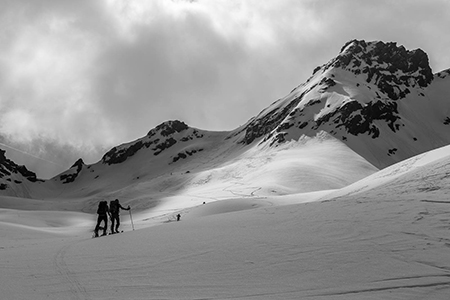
(79, 77)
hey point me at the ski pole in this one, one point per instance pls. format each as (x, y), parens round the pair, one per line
(131, 219)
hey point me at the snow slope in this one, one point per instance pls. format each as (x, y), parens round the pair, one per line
(223, 170)
(389, 242)
(291, 205)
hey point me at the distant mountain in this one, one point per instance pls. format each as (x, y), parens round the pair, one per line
(373, 105)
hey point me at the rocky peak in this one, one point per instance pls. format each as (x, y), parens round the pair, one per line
(167, 128)
(78, 164)
(74, 170)
(160, 138)
(392, 57)
(364, 97)
(391, 68)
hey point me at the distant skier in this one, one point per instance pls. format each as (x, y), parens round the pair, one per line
(114, 208)
(103, 213)
(178, 217)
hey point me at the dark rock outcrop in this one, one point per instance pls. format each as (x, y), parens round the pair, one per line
(393, 69)
(76, 167)
(159, 139)
(8, 168)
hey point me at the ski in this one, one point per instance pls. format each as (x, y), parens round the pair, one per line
(100, 235)
(115, 232)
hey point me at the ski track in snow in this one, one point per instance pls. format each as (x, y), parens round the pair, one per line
(77, 290)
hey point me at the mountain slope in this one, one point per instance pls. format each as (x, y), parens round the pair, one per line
(220, 169)
(373, 105)
(380, 99)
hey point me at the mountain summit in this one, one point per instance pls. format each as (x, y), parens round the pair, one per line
(379, 98)
(371, 106)
(392, 68)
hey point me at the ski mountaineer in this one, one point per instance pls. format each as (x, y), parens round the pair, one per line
(102, 212)
(114, 208)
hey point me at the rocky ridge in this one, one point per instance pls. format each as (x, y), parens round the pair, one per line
(393, 69)
(10, 172)
(159, 139)
(71, 174)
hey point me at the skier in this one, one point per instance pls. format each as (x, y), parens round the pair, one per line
(178, 217)
(102, 212)
(114, 208)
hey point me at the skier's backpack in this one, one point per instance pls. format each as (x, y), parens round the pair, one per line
(102, 207)
(113, 207)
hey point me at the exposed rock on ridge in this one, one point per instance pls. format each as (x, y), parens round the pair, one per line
(159, 139)
(12, 172)
(76, 168)
(390, 67)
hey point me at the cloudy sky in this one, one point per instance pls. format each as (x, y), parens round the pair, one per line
(79, 77)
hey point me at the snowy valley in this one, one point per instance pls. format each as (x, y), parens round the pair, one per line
(337, 191)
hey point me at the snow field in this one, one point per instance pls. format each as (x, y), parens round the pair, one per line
(384, 237)
(370, 247)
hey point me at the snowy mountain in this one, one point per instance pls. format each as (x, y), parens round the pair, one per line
(291, 205)
(375, 104)
(379, 98)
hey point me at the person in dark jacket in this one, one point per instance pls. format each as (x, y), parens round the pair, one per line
(103, 213)
(114, 208)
